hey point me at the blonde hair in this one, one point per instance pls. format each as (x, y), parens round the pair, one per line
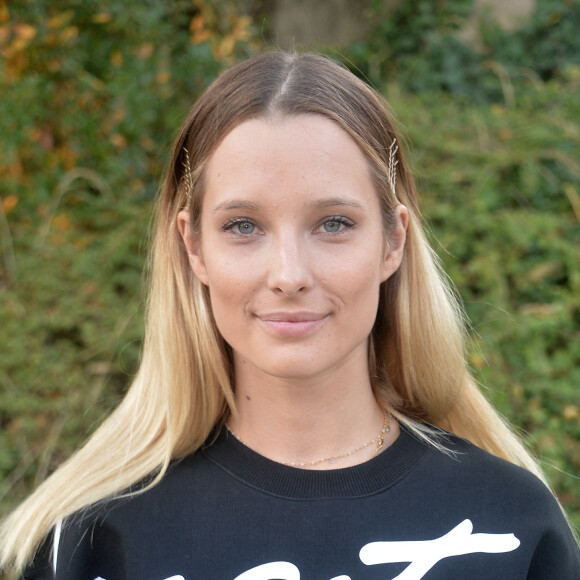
(183, 389)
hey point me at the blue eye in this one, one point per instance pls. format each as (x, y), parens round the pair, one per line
(245, 227)
(332, 226)
(240, 226)
(335, 225)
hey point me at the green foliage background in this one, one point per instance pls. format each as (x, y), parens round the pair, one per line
(92, 95)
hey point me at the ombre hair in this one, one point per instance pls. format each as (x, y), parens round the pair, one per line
(184, 387)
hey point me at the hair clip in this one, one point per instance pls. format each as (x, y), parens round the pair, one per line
(392, 168)
(188, 177)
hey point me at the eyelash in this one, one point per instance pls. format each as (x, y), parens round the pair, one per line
(342, 220)
(338, 219)
(231, 224)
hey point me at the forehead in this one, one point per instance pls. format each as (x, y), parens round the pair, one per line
(306, 154)
(311, 131)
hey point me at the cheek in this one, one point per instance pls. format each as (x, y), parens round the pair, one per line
(360, 275)
(229, 291)
(231, 287)
(228, 271)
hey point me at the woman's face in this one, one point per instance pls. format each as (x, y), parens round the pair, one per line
(292, 247)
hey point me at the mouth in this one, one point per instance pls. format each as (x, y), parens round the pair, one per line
(292, 324)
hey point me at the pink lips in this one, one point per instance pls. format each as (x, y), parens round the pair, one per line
(292, 323)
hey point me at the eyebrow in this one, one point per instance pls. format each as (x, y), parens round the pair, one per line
(319, 204)
(236, 204)
(337, 201)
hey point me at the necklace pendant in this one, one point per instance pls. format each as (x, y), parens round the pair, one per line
(333, 460)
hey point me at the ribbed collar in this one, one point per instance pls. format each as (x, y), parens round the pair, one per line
(302, 484)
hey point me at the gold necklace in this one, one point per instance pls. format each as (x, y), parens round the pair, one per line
(378, 440)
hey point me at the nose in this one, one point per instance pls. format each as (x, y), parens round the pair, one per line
(289, 271)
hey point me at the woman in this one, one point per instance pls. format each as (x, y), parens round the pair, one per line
(302, 356)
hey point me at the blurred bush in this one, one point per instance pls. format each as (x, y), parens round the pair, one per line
(92, 94)
(421, 45)
(501, 196)
(496, 141)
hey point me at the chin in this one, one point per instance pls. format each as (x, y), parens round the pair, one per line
(295, 371)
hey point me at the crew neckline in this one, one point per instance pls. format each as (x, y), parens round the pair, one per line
(280, 480)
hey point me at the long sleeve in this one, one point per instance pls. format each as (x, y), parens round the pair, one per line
(556, 556)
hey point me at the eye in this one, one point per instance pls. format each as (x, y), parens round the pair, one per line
(332, 226)
(335, 225)
(245, 227)
(240, 226)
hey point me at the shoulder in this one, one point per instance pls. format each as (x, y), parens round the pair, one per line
(94, 542)
(469, 471)
(464, 479)
(460, 455)
(184, 479)
(468, 483)
(493, 496)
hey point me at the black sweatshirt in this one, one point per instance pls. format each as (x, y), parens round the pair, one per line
(227, 513)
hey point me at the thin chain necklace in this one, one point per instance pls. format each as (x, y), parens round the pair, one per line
(378, 441)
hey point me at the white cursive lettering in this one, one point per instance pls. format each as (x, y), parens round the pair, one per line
(423, 555)
(271, 571)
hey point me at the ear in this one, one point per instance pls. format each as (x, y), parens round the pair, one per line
(192, 245)
(395, 246)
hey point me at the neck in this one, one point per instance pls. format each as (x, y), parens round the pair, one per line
(302, 421)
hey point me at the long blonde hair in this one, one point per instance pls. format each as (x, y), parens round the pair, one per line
(183, 389)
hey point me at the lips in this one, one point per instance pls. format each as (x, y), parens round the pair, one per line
(292, 324)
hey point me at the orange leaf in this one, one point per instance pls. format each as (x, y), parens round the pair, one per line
(118, 140)
(53, 65)
(25, 31)
(4, 14)
(146, 50)
(23, 34)
(69, 34)
(225, 48)
(116, 58)
(200, 36)
(4, 34)
(60, 19)
(62, 222)
(197, 23)
(9, 203)
(102, 18)
(163, 77)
